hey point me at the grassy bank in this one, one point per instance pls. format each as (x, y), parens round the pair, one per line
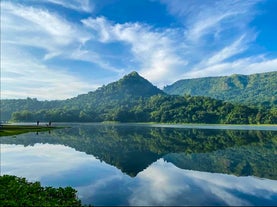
(10, 130)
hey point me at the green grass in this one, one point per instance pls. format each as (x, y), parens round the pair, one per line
(10, 130)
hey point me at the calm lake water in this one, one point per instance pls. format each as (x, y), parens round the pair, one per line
(143, 164)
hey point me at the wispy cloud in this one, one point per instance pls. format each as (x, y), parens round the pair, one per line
(154, 51)
(79, 5)
(41, 29)
(212, 16)
(93, 57)
(247, 66)
(28, 77)
(237, 47)
(215, 32)
(26, 49)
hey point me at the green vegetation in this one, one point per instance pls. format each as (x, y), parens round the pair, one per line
(15, 191)
(13, 105)
(10, 130)
(252, 90)
(158, 108)
(134, 99)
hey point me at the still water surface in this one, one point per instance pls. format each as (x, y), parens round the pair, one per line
(134, 164)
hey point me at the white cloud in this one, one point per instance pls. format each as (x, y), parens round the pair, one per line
(218, 37)
(235, 48)
(41, 29)
(156, 52)
(211, 16)
(213, 33)
(79, 5)
(93, 57)
(247, 66)
(27, 77)
(26, 49)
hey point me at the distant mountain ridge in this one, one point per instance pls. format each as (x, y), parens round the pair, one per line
(256, 89)
(134, 99)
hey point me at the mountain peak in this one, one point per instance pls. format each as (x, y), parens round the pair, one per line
(136, 85)
(134, 73)
(131, 85)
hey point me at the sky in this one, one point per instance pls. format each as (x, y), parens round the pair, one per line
(57, 49)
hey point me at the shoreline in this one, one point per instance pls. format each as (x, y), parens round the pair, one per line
(20, 128)
(15, 129)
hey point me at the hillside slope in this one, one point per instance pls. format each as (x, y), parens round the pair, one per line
(129, 89)
(255, 90)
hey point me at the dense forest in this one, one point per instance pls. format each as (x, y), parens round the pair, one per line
(257, 89)
(134, 99)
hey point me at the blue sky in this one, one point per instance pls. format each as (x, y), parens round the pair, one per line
(57, 49)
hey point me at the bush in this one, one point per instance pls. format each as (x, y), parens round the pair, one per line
(15, 191)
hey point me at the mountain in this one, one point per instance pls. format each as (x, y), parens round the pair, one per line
(115, 101)
(130, 85)
(130, 88)
(134, 99)
(256, 90)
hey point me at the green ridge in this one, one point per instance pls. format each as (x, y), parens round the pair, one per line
(256, 90)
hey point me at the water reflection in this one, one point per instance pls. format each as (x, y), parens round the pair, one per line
(42, 161)
(132, 148)
(146, 165)
(257, 160)
(162, 183)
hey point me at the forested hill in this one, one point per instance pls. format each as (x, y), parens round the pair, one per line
(256, 90)
(124, 93)
(127, 90)
(134, 99)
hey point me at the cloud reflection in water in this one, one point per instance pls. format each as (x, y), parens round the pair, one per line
(162, 183)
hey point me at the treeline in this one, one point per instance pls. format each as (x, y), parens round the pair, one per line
(157, 108)
(10, 106)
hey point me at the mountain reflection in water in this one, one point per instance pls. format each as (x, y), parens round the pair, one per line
(161, 166)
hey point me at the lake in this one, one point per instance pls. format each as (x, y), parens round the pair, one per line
(151, 164)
